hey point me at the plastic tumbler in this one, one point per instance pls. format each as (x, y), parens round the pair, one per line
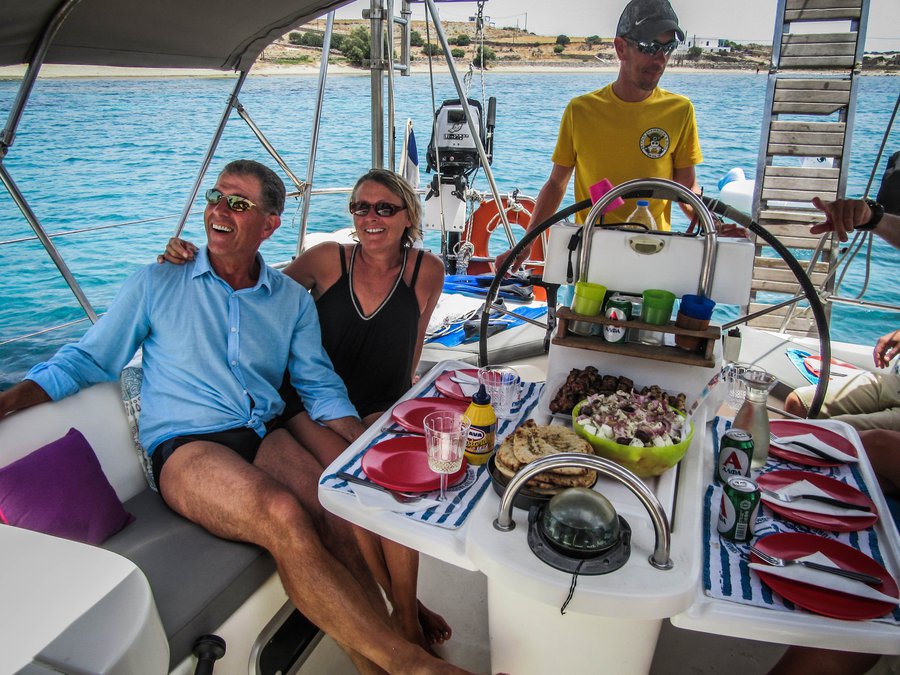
(503, 384)
(656, 309)
(588, 301)
(694, 313)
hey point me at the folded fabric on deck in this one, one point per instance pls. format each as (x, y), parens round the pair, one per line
(512, 288)
(466, 330)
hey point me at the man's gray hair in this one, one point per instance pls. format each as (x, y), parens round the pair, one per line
(273, 190)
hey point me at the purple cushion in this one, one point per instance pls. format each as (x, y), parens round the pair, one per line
(60, 489)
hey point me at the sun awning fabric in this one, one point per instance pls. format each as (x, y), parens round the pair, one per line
(215, 34)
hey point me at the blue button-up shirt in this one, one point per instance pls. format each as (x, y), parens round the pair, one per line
(213, 357)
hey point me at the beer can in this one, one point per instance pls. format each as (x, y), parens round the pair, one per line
(737, 512)
(735, 454)
(618, 307)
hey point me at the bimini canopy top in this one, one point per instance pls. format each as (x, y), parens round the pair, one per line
(215, 34)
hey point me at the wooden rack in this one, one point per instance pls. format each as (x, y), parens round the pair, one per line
(702, 357)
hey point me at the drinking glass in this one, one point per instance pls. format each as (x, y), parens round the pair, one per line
(736, 387)
(446, 433)
(502, 383)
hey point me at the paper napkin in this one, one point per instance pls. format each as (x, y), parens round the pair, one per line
(810, 440)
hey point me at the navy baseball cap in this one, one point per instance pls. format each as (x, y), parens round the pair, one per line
(643, 20)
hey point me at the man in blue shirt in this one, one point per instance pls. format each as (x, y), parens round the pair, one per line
(217, 335)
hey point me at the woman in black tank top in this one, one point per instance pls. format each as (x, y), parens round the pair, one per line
(374, 299)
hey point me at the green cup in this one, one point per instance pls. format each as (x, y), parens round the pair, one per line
(589, 298)
(588, 301)
(657, 307)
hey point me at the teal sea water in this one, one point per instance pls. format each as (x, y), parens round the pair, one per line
(102, 151)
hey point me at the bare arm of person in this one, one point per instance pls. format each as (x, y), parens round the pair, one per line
(348, 428)
(20, 396)
(428, 292)
(842, 216)
(317, 268)
(178, 251)
(687, 176)
(546, 204)
(887, 347)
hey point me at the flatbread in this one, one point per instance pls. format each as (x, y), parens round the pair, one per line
(530, 442)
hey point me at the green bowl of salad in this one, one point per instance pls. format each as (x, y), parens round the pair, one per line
(644, 436)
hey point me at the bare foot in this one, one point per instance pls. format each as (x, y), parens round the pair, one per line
(436, 630)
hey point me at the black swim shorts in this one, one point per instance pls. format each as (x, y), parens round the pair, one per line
(243, 441)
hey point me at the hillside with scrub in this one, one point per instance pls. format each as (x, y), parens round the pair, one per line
(511, 47)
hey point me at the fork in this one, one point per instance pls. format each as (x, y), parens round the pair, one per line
(805, 446)
(400, 497)
(819, 498)
(850, 574)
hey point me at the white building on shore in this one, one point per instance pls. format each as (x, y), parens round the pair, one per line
(707, 44)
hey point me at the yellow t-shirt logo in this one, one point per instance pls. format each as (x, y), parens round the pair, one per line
(655, 143)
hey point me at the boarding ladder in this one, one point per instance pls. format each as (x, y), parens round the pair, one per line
(804, 146)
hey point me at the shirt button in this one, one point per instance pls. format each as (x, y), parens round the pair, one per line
(234, 363)
(233, 329)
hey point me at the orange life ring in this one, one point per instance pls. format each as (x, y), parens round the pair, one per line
(486, 219)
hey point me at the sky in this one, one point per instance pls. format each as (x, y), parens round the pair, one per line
(737, 20)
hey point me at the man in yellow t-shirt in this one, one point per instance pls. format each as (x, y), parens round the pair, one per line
(630, 128)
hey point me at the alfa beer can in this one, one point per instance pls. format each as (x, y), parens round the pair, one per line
(618, 307)
(737, 513)
(735, 453)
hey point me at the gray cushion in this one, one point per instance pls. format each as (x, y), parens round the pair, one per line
(198, 580)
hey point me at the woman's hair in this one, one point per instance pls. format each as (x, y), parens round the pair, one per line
(397, 185)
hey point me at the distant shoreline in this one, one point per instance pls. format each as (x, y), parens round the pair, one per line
(270, 69)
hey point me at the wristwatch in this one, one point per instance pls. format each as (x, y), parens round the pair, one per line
(877, 214)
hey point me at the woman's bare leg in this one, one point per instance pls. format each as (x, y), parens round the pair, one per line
(394, 566)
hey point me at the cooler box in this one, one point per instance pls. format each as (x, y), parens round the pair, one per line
(631, 262)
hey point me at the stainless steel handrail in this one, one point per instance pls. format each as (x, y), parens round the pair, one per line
(660, 558)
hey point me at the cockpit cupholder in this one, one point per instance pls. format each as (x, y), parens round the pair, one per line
(579, 531)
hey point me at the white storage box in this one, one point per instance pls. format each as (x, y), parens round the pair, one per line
(631, 262)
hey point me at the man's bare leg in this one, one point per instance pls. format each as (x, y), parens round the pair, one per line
(211, 485)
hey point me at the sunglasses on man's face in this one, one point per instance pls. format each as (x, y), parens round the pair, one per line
(383, 209)
(653, 47)
(234, 202)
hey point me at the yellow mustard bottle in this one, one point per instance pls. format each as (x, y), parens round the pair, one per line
(483, 429)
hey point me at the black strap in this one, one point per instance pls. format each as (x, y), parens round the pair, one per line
(412, 282)
(343, 259)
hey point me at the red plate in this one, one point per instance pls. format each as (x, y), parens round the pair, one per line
(775, 480)
(402, 464)
(410, 414)
(791, 428)
(823, 601)
(448, 387)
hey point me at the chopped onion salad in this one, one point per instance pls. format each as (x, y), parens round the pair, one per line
(644, 420)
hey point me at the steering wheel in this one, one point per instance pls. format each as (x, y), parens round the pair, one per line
(711, 206)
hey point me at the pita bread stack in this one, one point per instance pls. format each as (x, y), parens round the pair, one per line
(532, 441)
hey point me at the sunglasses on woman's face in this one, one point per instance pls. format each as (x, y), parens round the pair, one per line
(383, 209)
(653, 47)
(235, 202)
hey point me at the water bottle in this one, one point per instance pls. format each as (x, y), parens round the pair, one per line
(642, 215)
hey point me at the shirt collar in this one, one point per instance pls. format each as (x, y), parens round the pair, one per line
(203, 266)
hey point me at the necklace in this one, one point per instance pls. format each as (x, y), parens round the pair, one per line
(389, 295)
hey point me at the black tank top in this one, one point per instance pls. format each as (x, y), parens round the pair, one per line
(372, 354)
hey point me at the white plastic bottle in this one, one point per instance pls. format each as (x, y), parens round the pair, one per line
(642, 215)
